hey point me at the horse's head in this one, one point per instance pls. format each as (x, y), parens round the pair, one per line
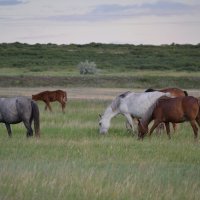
(103, 125)
(33, 97)
(142, 130)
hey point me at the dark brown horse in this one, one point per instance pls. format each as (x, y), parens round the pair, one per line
(50, 96)
(175, 110)
(175, 92)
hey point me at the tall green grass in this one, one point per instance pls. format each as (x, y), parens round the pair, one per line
(72, 161)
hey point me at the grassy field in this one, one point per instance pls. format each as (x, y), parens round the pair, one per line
(72, 161)
(127, 66)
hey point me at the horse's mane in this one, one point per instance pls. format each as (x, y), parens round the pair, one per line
(150, 90)
(185, 92)
(116, 102)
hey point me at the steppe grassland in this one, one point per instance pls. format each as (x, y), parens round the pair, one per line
(72, 161)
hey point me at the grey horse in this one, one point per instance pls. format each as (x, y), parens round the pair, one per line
(20, 109)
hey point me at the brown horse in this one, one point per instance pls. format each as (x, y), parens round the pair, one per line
(175, 92)
(50, 96)
(175, 110)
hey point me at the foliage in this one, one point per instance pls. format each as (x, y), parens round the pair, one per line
(87, 67)
(109, 57)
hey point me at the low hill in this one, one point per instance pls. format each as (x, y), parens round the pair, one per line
(108, 57)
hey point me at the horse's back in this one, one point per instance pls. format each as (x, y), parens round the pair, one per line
(45, 95)
(40, 96)
(13, 109)
(183, 100)
(190, 104)
(62, 95)
(61, 92)
(139, 103)
(54, 95)
(178, 105)
(149, 90)
(24, 106)
(145, 97)
(176, 92)
(8, 110)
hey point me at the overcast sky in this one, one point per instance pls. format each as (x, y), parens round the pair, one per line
(106, 21)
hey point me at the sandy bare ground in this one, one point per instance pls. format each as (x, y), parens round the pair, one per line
(77, 93)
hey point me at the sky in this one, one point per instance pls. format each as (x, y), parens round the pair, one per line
(104, 21)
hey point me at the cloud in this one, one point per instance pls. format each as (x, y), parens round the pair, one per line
(10, 2)
(115, 11)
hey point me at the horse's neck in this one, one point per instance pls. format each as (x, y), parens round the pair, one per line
(145, 122)
(109, 113)
(37, 97)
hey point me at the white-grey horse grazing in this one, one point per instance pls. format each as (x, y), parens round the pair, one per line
(131, 105)
(20, 109)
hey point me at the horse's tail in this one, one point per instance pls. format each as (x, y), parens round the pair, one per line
(198, 98)
(185, 92)
(36, 118)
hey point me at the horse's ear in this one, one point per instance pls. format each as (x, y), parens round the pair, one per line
(100, 116)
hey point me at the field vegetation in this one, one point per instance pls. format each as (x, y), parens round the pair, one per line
(118, 65)
(109, 57)
(72, 161)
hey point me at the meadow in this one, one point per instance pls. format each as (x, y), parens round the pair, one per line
(118, 65)
(72, 161)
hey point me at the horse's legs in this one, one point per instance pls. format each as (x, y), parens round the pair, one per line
(63, 104)
(195, 129)
(168, 129)
(47, 105)
(8, 129)
(174, 126)
(198, 120)
(156, 123)
(27, 124)
(128, 126)
(130, 121)
(159, 128)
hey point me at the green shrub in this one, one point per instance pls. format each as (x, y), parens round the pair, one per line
(87, 67)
